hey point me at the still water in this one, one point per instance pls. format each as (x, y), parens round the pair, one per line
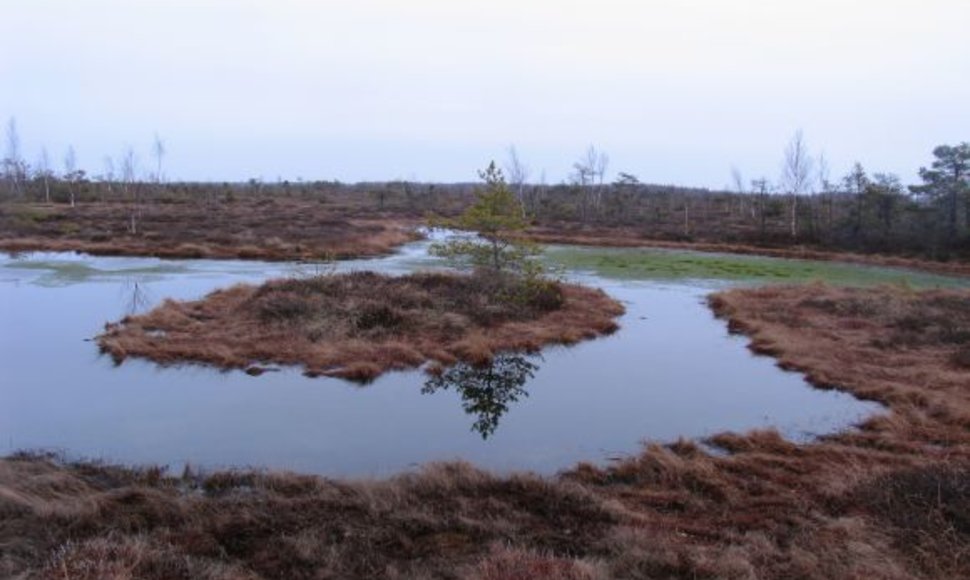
(672, 370)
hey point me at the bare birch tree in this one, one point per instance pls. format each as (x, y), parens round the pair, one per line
(762, 189)
(856, 182)
(44, 173)
(588, 174)
(14, 168)
(109, 175)
(824, 177)
(796, 175)
(600, 161)
(70, 172)
(738, 182)
(518, 176)
(158, 152)
(582, 178)
(538, 194)
(129, 184)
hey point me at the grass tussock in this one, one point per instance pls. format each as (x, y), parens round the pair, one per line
(362, 324)
(435, 522)
(900, 347)
(889, 500)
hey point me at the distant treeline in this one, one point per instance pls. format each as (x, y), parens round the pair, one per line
(858, 212)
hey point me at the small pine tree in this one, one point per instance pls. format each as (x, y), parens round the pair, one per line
(496, 216)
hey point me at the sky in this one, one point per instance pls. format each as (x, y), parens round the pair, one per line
(674, 91)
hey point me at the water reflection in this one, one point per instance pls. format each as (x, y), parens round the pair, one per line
(57, 270)
(575, 410)
(136, 297)
(487, 391)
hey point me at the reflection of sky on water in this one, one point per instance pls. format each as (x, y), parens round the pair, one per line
(671, 370)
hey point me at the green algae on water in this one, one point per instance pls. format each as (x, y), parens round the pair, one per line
(663, 264)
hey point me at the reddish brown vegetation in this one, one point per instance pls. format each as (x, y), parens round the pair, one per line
(90, 522)
(263, 228)
(887, 501)
(362, 324)
(339, 224)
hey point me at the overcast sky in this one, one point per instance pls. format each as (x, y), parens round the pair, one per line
(675, 91)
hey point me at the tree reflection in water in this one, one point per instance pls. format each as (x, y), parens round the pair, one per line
(135, 295)
(486, 391)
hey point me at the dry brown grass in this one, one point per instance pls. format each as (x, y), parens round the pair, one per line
(362, 324)
(889, 500)
(91, 521)
(251, 227)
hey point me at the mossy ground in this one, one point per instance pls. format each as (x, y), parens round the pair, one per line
(661, 264)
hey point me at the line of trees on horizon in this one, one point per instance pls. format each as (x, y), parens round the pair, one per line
(804, 205)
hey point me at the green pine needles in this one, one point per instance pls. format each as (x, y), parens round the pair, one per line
(499, 220)
(500, 249)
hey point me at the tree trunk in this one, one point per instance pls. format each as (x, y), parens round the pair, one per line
(686, 217)
(794, 216)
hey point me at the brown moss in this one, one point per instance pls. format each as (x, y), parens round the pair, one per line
(362, 324)
(252, 228)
